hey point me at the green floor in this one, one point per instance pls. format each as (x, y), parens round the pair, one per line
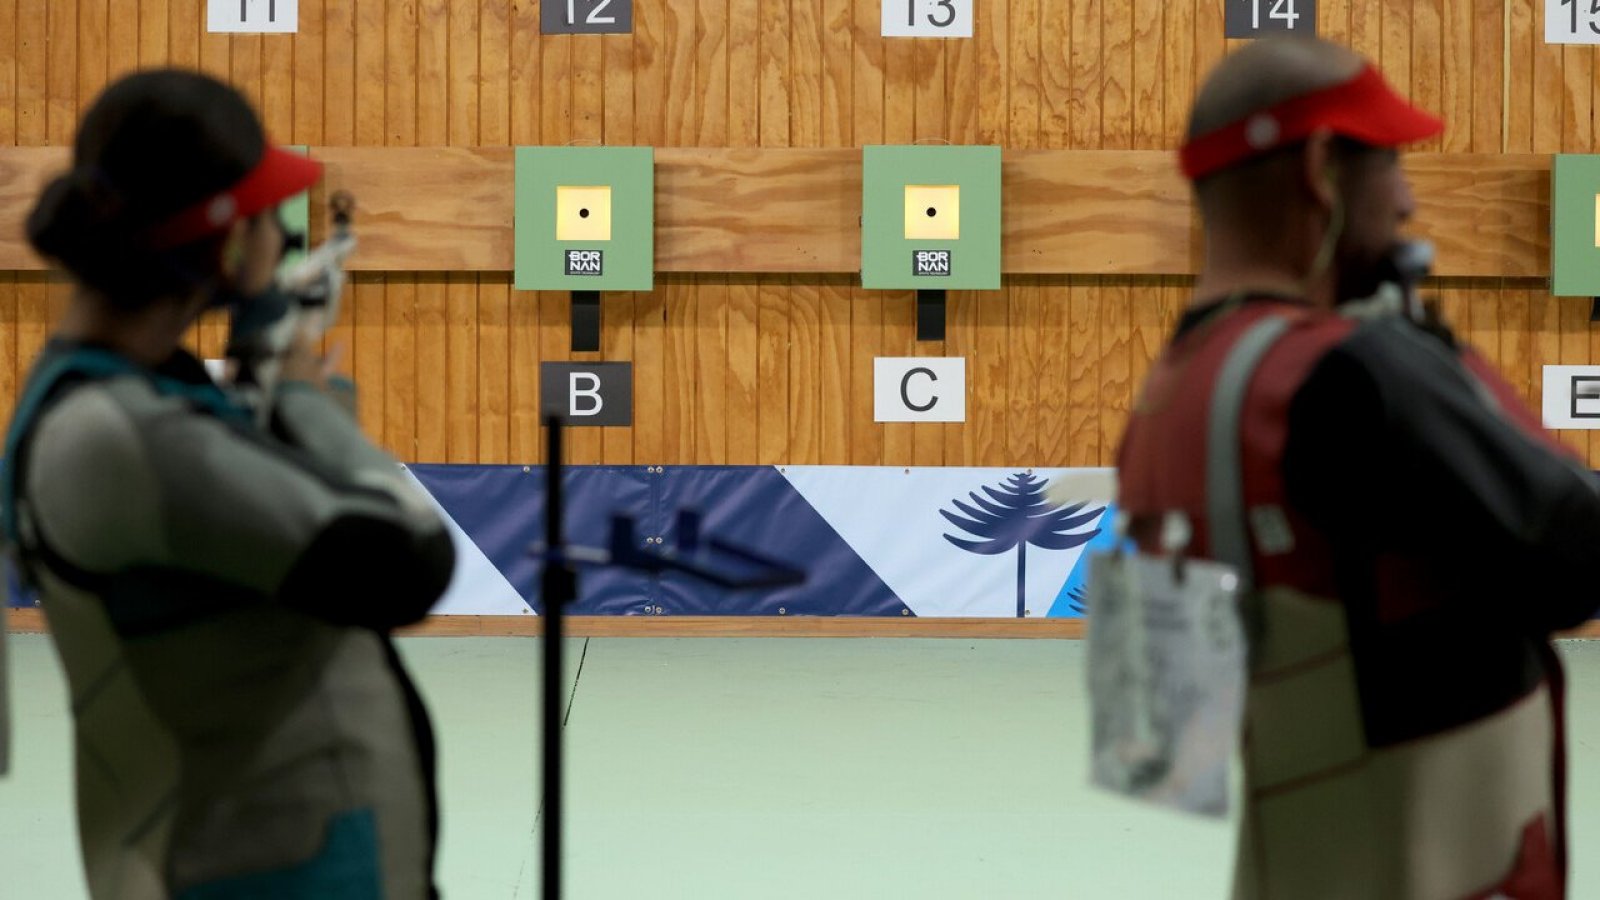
(764, 769)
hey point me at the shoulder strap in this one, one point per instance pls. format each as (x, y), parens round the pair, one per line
(1225, 518)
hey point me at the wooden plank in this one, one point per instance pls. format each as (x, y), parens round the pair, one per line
(1116, 365)
(126, 31)
(1052, 391)
(1427, 64)
(494, 75)
(678, 371)
(1117, 109)
(772, 368)
(9, 67)
(61, 89)
(649, 377)
(1395, 54)
(616, 336)
(1149, 53)
(804, 359)
(461, 367)
(1458, 66)
(433, 369)
(1549, 95)
(650, 75)
(899, 339)
(277, 86)
(526, 70)
(1366, 29)
(709, 98)
(834, 385)
(1177, 70)
(307, 84)
(743, 394)
(401, 374)
(987, 373)
(677, 48)
(462, 73)
(494, 369)
(866, 335)
(1084, 407)
(1522, 39)
(1092, 212)
(338, 75)
(523, 443)
(1488, 64)
(1088, 86)
(31, 98)
(1024, 375)
(707, 323)
(93, 50)
(1025, 77)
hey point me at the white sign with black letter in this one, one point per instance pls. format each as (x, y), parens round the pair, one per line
(1572, 397)
(927, 18)
(253, 16)
(1572, 21)
(919, 389)
(587, 393)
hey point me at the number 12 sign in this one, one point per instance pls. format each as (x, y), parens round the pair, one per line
(1254, 18)
(586, 17)
(927, 18)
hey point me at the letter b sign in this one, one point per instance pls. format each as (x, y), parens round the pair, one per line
(587, 393)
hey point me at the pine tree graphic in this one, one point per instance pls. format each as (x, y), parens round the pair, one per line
(1016, 515)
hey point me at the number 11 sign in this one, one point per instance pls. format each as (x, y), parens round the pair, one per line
(927, 18)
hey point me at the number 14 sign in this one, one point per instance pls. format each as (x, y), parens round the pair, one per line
(1572, 21)
(1254, 18)
(927, 18)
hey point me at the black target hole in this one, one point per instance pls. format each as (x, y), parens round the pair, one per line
(932, 212)
(583, 214)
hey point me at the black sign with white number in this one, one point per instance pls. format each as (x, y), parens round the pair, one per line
(587, 393)
(585, 262)
(586, 16)
(930, 262)
(1254, 18)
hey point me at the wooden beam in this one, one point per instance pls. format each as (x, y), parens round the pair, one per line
(1067, 212)
(32, 621)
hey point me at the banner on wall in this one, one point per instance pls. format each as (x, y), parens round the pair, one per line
(873, 541)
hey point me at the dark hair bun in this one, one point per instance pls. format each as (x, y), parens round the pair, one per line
(152, 144)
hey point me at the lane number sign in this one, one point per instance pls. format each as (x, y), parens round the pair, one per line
(1254, 18)
(927, 18)
(253, 16)
(1572, 21)
(586, 16)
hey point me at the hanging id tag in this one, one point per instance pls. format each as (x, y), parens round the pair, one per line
(1167, 662)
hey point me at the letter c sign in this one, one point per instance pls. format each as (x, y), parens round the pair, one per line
(920, 389)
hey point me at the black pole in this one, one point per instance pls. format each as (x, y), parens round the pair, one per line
(559, 586)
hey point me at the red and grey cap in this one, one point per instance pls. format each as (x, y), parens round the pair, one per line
(278, 176)
(1363, 108)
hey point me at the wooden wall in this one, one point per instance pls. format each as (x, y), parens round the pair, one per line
(776, 368)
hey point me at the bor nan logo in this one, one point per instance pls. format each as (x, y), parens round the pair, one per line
(930, 262)
(585, 262)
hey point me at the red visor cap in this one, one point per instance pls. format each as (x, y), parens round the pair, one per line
(278, 176)
(1364, 108)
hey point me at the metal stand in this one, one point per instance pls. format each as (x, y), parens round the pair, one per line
(708, 559)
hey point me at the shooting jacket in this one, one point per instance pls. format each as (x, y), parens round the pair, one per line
(220, 596)
(1416, 538)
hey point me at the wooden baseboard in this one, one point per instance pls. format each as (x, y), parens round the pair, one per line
(31, 621)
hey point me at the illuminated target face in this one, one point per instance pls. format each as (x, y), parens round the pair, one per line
(583, 213)
(933, 212)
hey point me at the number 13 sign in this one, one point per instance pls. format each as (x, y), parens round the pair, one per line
(927, 18)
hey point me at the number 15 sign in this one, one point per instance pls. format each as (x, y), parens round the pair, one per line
(927, 18)
(1572, 21)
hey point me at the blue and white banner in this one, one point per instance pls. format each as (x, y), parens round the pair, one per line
(873, 541)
